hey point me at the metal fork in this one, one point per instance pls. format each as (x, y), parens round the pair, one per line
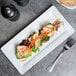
(70, 42)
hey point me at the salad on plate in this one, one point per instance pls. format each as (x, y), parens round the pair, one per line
(32, 44)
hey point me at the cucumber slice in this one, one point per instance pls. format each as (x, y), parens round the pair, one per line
(35, 49)
(50, 25)
(28, 55)
(17, 55)
(50, 34)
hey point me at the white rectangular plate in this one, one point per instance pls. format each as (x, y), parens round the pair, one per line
(49, 16)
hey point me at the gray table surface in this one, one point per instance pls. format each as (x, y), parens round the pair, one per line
(66, 66)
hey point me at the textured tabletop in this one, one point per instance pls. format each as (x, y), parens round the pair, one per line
(66, 66)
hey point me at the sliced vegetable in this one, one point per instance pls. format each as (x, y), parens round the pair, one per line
(44, 40)
(28, 55)
(35, 49)
(50, 25)
(18, 56)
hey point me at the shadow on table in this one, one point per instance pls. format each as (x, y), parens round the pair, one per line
(2, 2)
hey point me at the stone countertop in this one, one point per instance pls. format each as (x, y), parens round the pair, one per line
(66, 66)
